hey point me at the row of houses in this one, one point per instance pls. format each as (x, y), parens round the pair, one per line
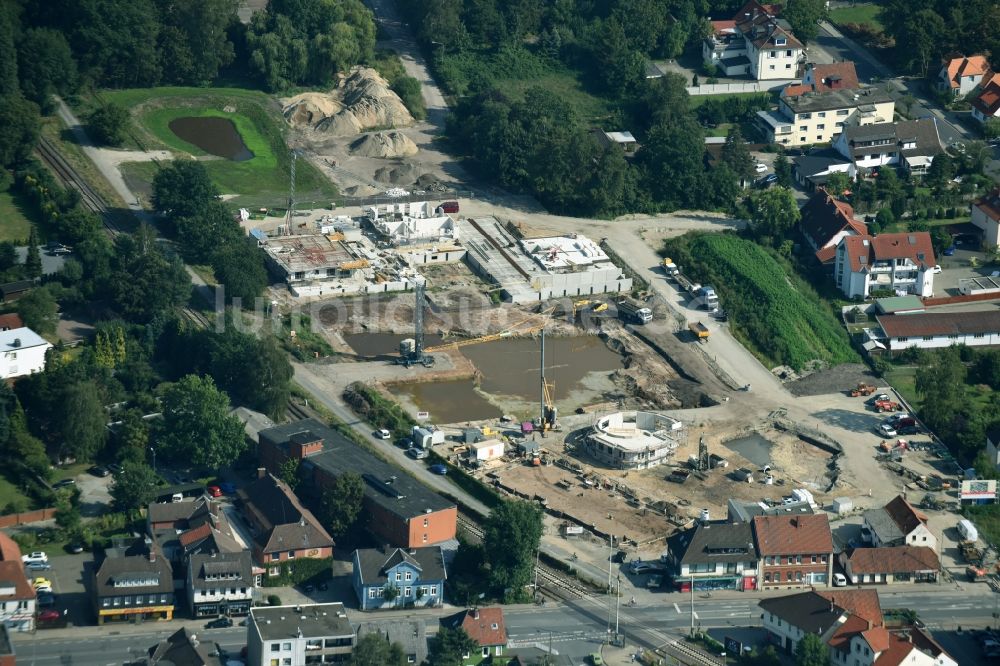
(790, 547)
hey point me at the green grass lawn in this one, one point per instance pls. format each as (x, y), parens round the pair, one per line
(260, 181)
(903, 379)
(694, 101)
(15, 224)
(902, 225)
(9, 493)
(719, 130)
(862, 14)
(567, 85)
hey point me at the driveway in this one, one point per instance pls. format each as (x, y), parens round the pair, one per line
(94, 495)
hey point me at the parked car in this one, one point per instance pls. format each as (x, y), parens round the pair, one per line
(596, 659)
(114, 468)
(886, 430)
(640, 567)
(74, 548)
(228, 488)
(36, 556)
(439, 469)
(839, 580)
(937, 269)
(65, 483)
(38, 566)
(382, 433)
(98, 470)
(417, 454)
(214, 491)
(45, 599)
(949, 251)
(49, 615)
(760, 167)
(219, 623)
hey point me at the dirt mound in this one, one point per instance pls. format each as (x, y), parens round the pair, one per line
(398, 175)
(360, 191)
(360, 102)
(384, 144)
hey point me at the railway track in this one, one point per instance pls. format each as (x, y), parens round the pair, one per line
(297, 412)
(68, 175)
(552, 581)
(195, 317)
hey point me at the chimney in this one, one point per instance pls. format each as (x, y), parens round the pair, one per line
(475, 614)
(261, 472)
(870, 625)
(152, 555)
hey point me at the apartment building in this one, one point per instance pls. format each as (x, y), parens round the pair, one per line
(794, 551)
(299, 635)
(901, 263)
(133, 583)
(220, 584)
(713, 556)
(817, 117)
(910, 144)
(17, 598)
(755, 43)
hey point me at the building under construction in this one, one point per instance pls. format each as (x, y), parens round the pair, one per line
(634, 440)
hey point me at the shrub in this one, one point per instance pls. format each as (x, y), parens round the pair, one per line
(408, 89)
(273, 600)
(381, 412)
(300, 570)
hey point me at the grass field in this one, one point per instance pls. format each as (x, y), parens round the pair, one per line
(862, 14)
(15, 224)
(903, 379)
(903, 225)
(55, 131)
(694, 101)
(10, 493)
(568, 86)
(260, 181)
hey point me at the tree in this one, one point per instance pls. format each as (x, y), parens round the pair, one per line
(783, 170)
(288, 472)
(374, 649)
(991, 129)
(208, 231)
(38, 310)
(132, 436)
(449, 645)
(342, 504)
(109, 124)
(804, 17)
(773, 213)
(183, 189)
(510, 538)
(941, 239)
(883, 220)
(194, 43)
(45, 64)
(811, 651)
(197, 426)
(144, 282)
(837, 183)
(133, 486)
(19, 128)
(33, 260)
(942, 170)
(940, 381)
(736, 154)
(81, 421)
(239, 268)
(890, 190)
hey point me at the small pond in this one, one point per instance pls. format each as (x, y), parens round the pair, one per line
(753, 447)
(449, 401)
(216, 136)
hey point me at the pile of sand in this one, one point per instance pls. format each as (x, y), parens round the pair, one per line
(384, 144)
(396, 175)
(361, 101)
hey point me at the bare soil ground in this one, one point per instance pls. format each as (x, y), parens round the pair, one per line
(833, 380)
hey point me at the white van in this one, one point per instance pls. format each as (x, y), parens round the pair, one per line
(839, 580)
(177, 497)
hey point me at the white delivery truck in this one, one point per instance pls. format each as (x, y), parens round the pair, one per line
(968, 530)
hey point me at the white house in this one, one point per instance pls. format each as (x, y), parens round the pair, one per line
(818, 117)
(934, 330)
(23, 352)
(961, 75)
(902, 263)
(911, 144)
(713, 556)
(898, 523)
(299, 635)
(756, 43)
(986, 216)
(986, 104)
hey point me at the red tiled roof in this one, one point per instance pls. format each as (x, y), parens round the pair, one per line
(10, 320)
(990, 204)
(895, 559)
(13, 573)
(863, 603)
(904, 515)
(877, 638)
(841, 638)
(488, 628)
(896, 652)
(796, 89)
(793, 535)
(920, 324)
(863, 251)
(824, 216)
(203, 531)
(9, 550)
(988, 101)
(756, 22)
(723, 26)
(835, 76)
(972, 66)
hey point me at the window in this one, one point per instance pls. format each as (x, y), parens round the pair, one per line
(426, 522)
(286, 646)
(291, 554)
(275, 557)
(781, 41)
(771, 67)
(805, 116)
(788, 54)
(979, 335)
(788, 66)
(928, 338)
(767, 578)
(409, 575)
(408, 592)
(821, 126)
(425, 538)
(902, 339)
(814, 559)
(772, 54)
(434, 589)
(287, 661)
(486, 651)
(275, 647)
(798, 576)
(822, 114)
(399, 576)
(275, 662)
(953, 337)
(803, 128)
(842, 112)
(798, 559)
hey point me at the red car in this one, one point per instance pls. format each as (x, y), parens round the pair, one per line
(215, 491)
(49, 615)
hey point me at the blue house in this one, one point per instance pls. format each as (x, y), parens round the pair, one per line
(398, 578)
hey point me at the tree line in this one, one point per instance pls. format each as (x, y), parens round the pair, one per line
(925, 31)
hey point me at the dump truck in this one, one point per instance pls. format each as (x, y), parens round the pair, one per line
(887, 406)
(670, 268)
(630, 310)
(700, 331)
(863, 389)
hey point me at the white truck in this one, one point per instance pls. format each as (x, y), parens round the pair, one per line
(968, 530)
(709, 299)
(634, 311)
(670, 268)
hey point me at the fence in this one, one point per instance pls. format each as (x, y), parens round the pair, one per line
(27, 517)
(740, 87)
(963, 298)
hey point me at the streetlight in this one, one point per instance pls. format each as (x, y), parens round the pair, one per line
(153, 451)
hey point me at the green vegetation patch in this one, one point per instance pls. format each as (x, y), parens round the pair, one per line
(775, 313)
(862, 14)
(15, 224)
(158, 122)
(987, 519)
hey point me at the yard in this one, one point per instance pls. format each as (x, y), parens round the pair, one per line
(861, 14)
(15, 224)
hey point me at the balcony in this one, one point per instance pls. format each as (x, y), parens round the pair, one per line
(880, 268)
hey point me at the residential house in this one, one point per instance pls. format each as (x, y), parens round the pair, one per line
(911, 144)
(22, 352)
(398, 510)
(830, 76)
(299, 635)
(794, 551)
(713, 556)
(220, 583)
(993, 445)
(898, 523)
(7, 655)
(934, 330)
(814, 169)
(825, 220)
(817, 117)
(726, 49)
(181, 648)
(850, 624)
(902, 263)
(397, 578)
(17, 597)
(133, 583)
(411, 635)
(283, 530)
(10, 321)
(986, 216)
(895, 564)
(181, 528)
(486, 627)
(986, 104)
(773, 51)
(11, 291)
(960, 75)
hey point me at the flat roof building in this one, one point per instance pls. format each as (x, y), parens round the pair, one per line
(285, 635)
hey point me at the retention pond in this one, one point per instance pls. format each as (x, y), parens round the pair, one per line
(216, 136)
(754, 447)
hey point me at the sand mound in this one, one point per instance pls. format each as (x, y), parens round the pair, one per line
(384, 144)
(397, 175)
(360, 102)
(360, 191)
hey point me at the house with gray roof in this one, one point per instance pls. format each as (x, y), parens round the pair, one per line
(134, 582)
(181, 648)
(898, 523)
(399, 578)
(220, 584)
(285, 635)
(410, 635)
(713, 556)
(910, 144)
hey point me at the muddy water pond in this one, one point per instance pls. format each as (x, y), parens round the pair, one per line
(216, 136)
(448, 401)
(753, 447)
(372, 345)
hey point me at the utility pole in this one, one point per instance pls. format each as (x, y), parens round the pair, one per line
(692, 605)
(611, 550)
(541, 398)
(618, 600)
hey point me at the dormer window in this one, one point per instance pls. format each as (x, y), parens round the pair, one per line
(780, 41)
